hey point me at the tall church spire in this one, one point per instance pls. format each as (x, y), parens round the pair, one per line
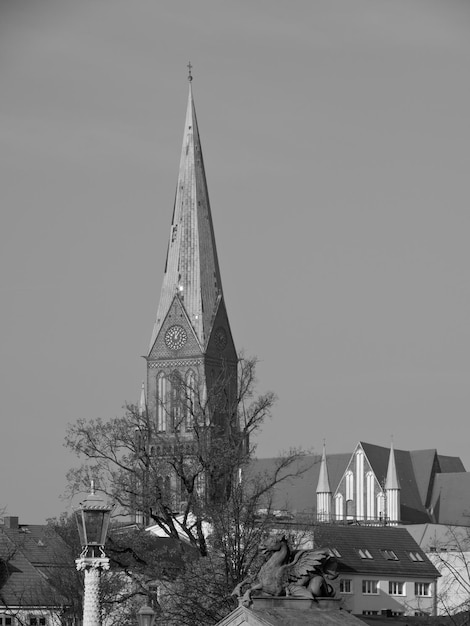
(191, 349)
(192, 269)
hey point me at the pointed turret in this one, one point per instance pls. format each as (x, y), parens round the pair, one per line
(324, 495)
(192, 268)
(392, 489)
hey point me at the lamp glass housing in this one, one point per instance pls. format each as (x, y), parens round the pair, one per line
(145, 616)
(93, 520)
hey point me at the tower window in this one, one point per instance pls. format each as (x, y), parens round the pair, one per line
(190, 397)
(161, 402)
(176, 401)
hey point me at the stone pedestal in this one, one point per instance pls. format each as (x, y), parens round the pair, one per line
(281, 611)
(299, 604)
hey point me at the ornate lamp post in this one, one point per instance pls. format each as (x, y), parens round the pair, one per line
(92, 521)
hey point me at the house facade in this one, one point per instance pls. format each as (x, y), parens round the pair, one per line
(382, 570)
(448, 549)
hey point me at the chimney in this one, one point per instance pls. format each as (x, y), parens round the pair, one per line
(10, 521)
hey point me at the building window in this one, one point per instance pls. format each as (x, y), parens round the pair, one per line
(6, 620)
(370, 612)
(423, 589)
(161, 402)
(339, 506)
(380, 506)
(415, 557)
(176, 401)
(36, 620)
(396, 588)
(397, 613)
(420, 614)
(364, 553)
(370, 484)
(345, 585)
(349, 485)
(190, 399)
(389, 555)
(334, 552)
(370, 587)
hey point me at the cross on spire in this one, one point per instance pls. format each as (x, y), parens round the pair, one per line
(190, 67)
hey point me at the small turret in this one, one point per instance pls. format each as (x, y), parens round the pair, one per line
(324, 495)
(392, 489)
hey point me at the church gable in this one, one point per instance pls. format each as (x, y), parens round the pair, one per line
(176, 338)
(220, 343)
(359, 494)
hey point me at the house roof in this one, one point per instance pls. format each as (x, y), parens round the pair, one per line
(374, 540)
(27, 556)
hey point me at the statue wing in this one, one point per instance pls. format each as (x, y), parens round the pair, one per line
(310, 562)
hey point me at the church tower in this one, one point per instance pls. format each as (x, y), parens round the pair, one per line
(192, 360)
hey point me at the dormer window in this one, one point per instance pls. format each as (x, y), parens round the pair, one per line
(415, 557)
(334, 552)
(389, 555)
(364, 553)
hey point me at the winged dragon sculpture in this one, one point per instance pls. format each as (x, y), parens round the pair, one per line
(299, 573)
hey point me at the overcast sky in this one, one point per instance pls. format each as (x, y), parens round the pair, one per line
(336, 140)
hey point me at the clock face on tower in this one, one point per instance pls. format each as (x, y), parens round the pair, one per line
(175, 337)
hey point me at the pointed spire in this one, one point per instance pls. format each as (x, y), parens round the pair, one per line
(142, 401)
(323, 485)
(192, 268)
(324, 495)
(392, 489)
(392, 481)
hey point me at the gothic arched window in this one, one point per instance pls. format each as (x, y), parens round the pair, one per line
(161, 402)
(370, 481)
(190, 397)
(339, 506)
(176, 400)
(349, 485)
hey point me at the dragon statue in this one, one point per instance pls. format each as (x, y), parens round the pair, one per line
(299, 573)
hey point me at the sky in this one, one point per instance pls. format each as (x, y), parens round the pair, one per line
(336, 142)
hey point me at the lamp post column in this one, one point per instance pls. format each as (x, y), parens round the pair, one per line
(92, 599)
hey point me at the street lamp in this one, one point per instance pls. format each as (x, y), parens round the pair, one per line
(145, 616)
(92, 520)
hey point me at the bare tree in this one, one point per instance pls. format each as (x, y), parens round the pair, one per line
(194, 482)
(449, 550)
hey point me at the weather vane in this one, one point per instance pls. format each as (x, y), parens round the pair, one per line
(190, 67)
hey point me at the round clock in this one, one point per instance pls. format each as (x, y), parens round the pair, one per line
(220, 338)
(175, 337)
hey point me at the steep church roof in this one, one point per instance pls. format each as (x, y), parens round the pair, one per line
(450, 498)
(191, 269)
